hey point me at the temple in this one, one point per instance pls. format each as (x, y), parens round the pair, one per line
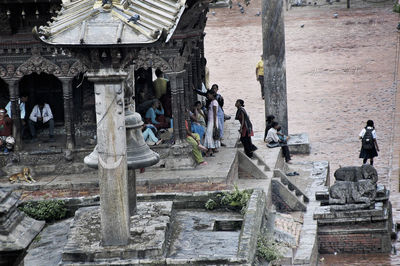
(166, 35)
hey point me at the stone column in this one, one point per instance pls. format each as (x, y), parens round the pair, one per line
(274, 61)
(68, 112)
(15, 111)
(112, 161)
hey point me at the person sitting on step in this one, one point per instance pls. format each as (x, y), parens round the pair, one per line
(41, 115)
(6, 140)
(274, 141)
(149, 135)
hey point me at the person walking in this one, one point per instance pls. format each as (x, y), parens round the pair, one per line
(260, 75)
(369, 145)
(246, 128)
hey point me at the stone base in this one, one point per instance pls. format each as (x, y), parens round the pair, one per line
(355, 230)
(149, 229)
(180, 157)
(299, 143)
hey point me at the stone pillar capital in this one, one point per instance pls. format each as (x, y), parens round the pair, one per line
(108, 75)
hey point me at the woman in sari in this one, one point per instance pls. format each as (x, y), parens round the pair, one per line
(246, 128)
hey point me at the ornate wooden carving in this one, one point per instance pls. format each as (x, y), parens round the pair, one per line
(148, 59)
(77, 68)
(38, 64)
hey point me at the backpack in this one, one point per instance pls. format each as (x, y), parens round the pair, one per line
(368, 140)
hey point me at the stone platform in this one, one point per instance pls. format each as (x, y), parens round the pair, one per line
(179, 231)
(148, 228)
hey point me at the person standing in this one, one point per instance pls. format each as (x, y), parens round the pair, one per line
(260, 75)
(160, 84)
(369, 145)
(41, 115)
(22, 103)
(220, 113)
(246, 128)
(211, 143)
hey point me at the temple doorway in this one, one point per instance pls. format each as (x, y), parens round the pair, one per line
(43, 87)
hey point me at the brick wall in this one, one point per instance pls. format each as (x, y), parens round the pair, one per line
(353, 243)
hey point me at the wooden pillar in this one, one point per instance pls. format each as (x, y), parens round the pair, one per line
(68, 112)
(15, 111)
(198, 66)
(112, 159)
(188, 92)
(273, 31)
(183, 115)
(202, 63)
(180, 153)
(175, 103)
(194, 73)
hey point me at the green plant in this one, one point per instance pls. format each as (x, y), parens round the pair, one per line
(235, 200)
(37, 238)
(48, 210)
(396, 8)
(267, 248)
(210, 204)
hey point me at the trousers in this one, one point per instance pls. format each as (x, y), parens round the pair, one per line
(33, 125)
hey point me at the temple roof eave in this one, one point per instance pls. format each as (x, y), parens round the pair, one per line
(136, 23)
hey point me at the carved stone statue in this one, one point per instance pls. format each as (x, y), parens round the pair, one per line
(354, 185)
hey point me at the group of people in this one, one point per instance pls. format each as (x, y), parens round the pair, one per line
(40, 116)
(204, 129)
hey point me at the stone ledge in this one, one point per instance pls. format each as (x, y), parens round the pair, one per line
(251, 226)
(299, 143)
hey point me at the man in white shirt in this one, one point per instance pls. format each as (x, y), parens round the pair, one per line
(273, 139)
(41, 115)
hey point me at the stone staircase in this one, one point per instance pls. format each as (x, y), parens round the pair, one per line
(16, 229)
(281, 179)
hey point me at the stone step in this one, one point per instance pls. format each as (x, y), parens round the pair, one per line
(290, 186)
(252, 167)
(294, 202)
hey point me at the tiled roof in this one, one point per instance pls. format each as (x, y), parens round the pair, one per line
(94, 22)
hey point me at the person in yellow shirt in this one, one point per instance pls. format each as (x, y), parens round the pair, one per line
(160, 84)
(260, 75)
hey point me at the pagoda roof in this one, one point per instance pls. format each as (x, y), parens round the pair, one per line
(118, 22)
